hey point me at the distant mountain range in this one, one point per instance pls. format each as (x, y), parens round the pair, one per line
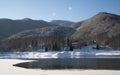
(9, 27)
(103, 28)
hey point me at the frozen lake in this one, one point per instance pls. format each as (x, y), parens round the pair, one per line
(86, 55)
(6, 68)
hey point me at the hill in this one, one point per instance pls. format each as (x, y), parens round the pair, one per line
(52, 37)
(9, 27)
(104, 28)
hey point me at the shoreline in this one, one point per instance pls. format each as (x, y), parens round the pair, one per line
(6, 68)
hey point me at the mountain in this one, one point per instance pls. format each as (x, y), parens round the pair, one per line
(103, 28)
(44, 32)
(9, 27)
(62, 22)
(77, 24)
(51, 36)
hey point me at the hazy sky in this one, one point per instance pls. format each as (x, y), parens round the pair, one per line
(74, 10)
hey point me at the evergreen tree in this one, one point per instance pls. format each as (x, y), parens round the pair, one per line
(46, 49)
(71, 47)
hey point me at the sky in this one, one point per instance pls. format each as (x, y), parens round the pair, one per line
(73, 10)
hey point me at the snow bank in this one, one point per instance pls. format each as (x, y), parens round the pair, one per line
(86, 52)
(62, 54)
(110, 52)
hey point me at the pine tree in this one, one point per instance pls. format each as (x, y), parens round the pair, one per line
(71, 47)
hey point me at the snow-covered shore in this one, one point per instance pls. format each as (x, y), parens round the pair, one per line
(6, 68)
(86, 52)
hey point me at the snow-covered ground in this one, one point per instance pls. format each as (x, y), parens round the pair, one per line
(86, 52)
(6, 68)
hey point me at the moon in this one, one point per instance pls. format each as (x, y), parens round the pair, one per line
(70, 8)
(53, 14)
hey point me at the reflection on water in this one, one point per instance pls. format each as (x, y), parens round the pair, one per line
(78, 63)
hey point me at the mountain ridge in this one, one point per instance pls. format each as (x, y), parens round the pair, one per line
(104, 25)
(9, 27)
(103, 28)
